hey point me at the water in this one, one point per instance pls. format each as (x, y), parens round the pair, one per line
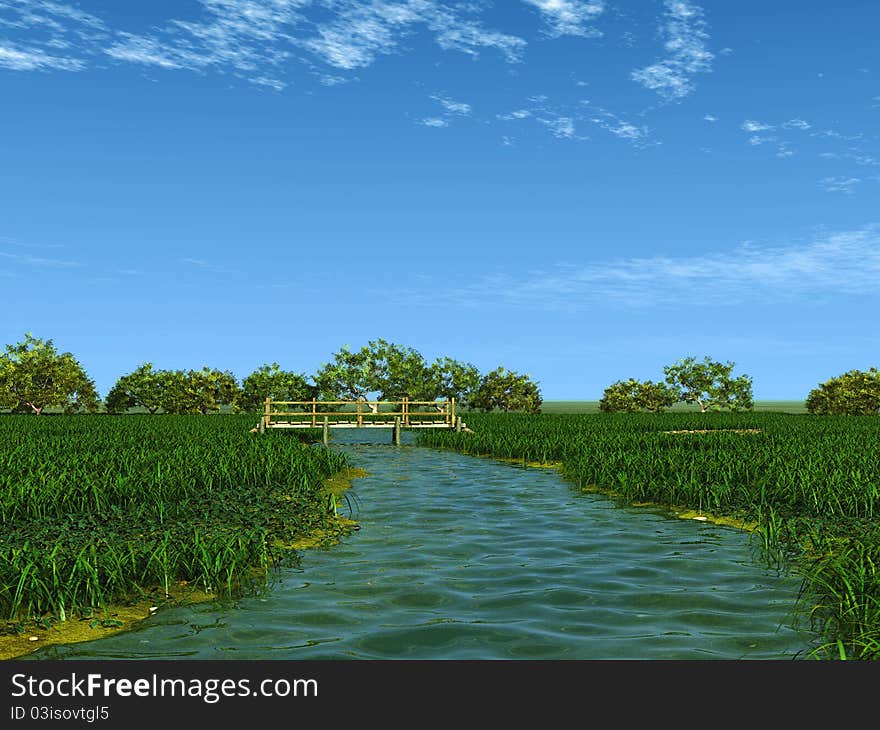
(467, 558)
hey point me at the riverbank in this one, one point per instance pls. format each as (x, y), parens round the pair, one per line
(108, 520)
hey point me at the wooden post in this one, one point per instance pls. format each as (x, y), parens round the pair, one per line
(314, 412)
(262, 426)
(326, 434)
(406, 410)
(458, 425)
(450, 406)
(395, 432)
(360, 414)
(268, 411)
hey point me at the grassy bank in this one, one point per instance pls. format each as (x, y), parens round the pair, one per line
(810, 484)
(104, 510)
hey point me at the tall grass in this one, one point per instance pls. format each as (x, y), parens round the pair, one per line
(99, 509)
(811, 484)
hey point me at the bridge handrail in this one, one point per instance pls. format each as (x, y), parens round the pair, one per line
(445, 410)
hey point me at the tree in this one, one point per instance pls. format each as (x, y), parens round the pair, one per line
(143, 388)
(270, 381)
(710, 384)
(198, 391)
(33, 375)
(631, 396)
(507, 391)
(348, 377)
(381, 369)
(855, 393)
(454, 379)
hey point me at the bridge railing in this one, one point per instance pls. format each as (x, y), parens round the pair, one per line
(361, 411)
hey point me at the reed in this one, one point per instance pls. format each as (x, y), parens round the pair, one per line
(102, 509)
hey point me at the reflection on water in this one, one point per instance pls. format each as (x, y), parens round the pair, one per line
(467, 558)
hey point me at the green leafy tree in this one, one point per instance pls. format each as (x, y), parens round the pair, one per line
(399, 372)
(270, 381)
(854, 393)
(33, 376)
(454, 379)
(380, 370)
(507, 391)
(198, 391)
(710, 384)
(143, 388)
(631, 396)
(350, 376)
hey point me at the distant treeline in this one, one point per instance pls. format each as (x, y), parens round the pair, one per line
(35, 376)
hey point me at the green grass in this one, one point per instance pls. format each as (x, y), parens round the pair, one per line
(103, 509)
(810, 484)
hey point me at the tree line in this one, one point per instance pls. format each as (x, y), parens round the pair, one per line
(35, 376)
(711, 385)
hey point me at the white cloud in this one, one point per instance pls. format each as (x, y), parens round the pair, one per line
(835, 264)
(361, 31)
(687, 54)
(560, 127)
(452, 106)
(610, 122)
(38, 261)
(839, 184)
(796, 124)
(59, 37)
(434, 122)
(17, 58)
(570, 17)
(757, 139)
(710, 118)
(750, 125)
(516, 114)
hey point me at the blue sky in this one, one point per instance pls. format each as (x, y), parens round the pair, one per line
(580, 190)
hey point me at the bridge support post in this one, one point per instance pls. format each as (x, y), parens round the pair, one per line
(395, 431)
(326, 432)
(458, 424)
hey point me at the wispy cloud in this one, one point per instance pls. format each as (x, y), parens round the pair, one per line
(207, 266)
(47, 36)
(750, 125)
(796, 124)
(560, 127)
(570, 17)
(835, 264)
(39, 261)
(839, 184)
(638, 135)
(253, 39)
(452, 106)
(433, 122)
(685, 32)
(362, 31)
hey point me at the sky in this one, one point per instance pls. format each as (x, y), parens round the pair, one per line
(583, 191)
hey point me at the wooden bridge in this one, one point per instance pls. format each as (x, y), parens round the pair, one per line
(327, 414)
